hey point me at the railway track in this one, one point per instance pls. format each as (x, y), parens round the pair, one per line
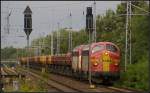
(66, 84)
(10, 72)
(54, 84)
(3, 72)
(122, 89)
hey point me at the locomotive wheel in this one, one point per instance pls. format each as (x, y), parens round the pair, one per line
(107, 82)
(73, 74)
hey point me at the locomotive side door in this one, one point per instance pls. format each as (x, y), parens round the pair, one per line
(85, 58)
(75, 60)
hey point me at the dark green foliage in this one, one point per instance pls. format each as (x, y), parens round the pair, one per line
(136, 75)
(11, 53)
(8, 52)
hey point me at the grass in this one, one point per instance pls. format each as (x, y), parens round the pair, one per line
(29, 85)
(33, 86)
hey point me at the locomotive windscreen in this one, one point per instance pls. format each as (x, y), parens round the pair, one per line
(111, 48)
(98, 48)
(85, 53)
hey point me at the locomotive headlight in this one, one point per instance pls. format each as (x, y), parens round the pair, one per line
(116, 64)
(95, 63)
(106, 53)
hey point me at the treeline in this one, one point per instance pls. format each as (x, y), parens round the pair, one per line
(79, 37)
(11, 53)
(8, 53)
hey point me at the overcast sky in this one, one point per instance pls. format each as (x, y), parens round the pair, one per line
(46, 15)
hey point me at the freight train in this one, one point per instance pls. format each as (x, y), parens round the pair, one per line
(102, 58)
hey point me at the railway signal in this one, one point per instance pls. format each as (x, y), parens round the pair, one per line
(27, 26)
(89, 29)
(94, 22)
(89, 20)
(28, 21)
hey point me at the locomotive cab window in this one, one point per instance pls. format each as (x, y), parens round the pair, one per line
(111, 48)
(97, 48)
(86, 48)
(75, 49)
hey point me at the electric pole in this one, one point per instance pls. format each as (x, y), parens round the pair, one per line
(52, 47)
(149, 47)
(43, 43)
(128, 43)
(58, 40)
(52, 43)
(94, 22)
(70, 34)
(128, 35)
(8, 21)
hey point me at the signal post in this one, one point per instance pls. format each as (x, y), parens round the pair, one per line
(89, 28)
(27, 27)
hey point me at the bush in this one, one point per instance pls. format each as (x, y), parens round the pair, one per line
(136, 75)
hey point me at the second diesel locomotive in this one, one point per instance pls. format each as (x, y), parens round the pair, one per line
(104, 59)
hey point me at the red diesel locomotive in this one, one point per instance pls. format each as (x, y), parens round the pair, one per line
(104, 59)
(103, 56)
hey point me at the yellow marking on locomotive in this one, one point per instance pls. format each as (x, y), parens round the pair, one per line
(105, 66)
(106, 57)
(106, 61)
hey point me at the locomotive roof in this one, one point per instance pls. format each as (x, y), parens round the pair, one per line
(78, 47)
(85, 46)
(103, 43)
